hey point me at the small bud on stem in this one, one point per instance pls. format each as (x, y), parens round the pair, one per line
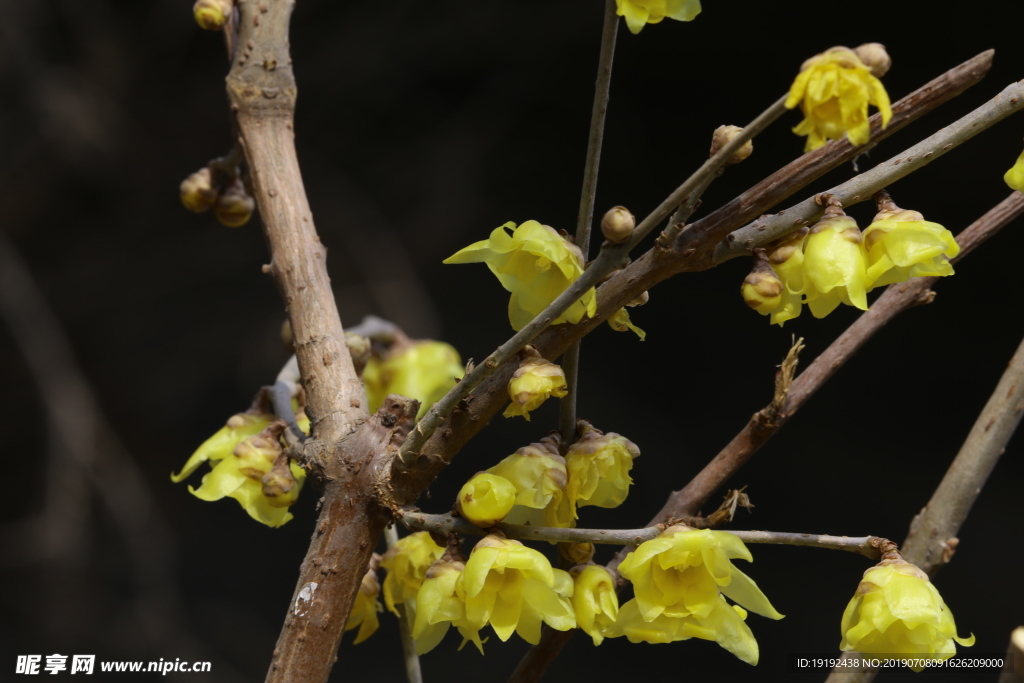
(722, 136)
(618, 224)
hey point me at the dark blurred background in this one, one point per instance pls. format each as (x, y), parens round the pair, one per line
(131, 329)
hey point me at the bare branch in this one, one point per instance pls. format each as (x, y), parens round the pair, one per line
(445, 524)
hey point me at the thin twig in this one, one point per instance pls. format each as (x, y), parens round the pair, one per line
(687, 196)
(862, 187)
(412, 660)
(281, 397)
(445, 524)
(377, 329)
(585, 219)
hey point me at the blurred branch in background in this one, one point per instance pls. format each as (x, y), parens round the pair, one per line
(86, 455)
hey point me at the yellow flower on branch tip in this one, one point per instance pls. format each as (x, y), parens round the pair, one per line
(681, 580)
(595, 601)
(834, 90)
(535, 264)
(533, 382)
(407, 562)
(598, 465)
(242, 455)
(423, 370)
(897, 611)
(364, 610)
(485, 499)
(1015, 176)
(514, 589)
(639, 13)
(901, 245)
(440, 606)
(539, 476)
(835, 267)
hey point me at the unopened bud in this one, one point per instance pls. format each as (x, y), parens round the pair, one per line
(534, 382)
(485, 499)
(875, 58)
(722, 136)
(211, 15)
(618, 224)
(235, 206)
(762, 289)
(197, 191)
(359, 349)
(577, 553)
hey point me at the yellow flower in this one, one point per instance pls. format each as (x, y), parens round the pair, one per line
(1015, 176)
(364, 610)
(834, 264)
(407, 562)
(539, 476)
(485, 499)
(679, 580)
(535, 264)
(639, 13)
(762, 289)
(439, 606)
(786, 258)
(598, 465)
(834, 90)
(423, 370)
(902, 244)
(243, 456)
(620, 322)
(897, 611)
(595, 601)
(514, 588)
(533, 382)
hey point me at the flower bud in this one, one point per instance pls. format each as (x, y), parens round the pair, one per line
(485, 499)
(640, 300)
(534, 382)
(723, 135)
(875, 58)
(618, 224)
(197, 191)
(211, 15)
(577, 553)
(762, 289)
(234, 207)
(364, 610)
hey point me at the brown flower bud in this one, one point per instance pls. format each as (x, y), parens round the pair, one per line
(618, 224)
(197, 191)
(235, 206)
(722, 136)
(577, 553)
(875, 58)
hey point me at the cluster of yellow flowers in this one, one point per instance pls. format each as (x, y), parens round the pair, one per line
(833, 263)
(248, 464)
(535, 485)
(834, 90)
(536, 264)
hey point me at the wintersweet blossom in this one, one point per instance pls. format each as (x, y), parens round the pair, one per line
(514, 589)
(598, 465)
(835, 267)
(539, 476)
(534, 381)
(535, 264)
(681, 581)
(485, 499)
(639, 13)
(595, 601)
(407, 562)
(901, 244)
(897, 611)
(439, 606)
(365, 608)
(834, 90)
(1014, 178)
(423, 370)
